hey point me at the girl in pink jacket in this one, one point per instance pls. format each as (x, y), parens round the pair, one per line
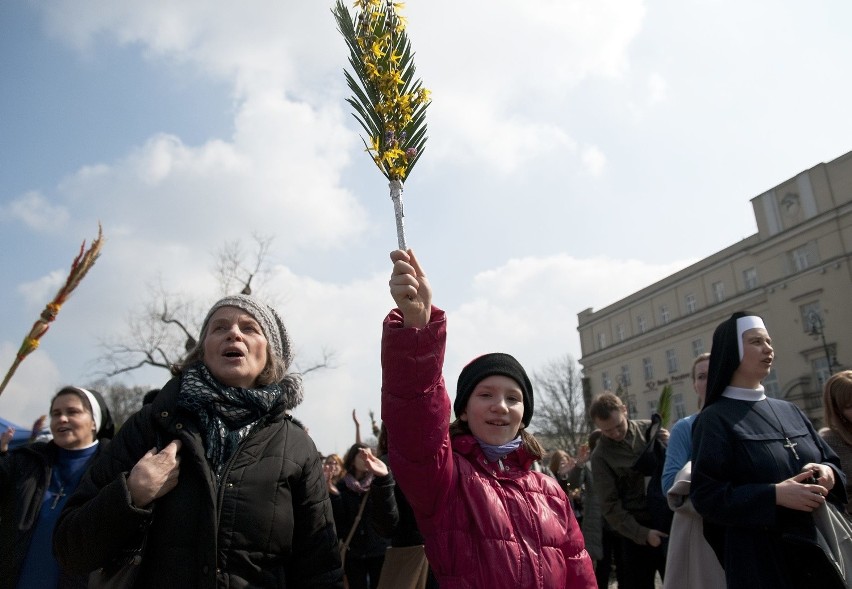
(487, 519)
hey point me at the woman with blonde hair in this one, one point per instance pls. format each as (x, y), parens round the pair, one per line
(837, 405)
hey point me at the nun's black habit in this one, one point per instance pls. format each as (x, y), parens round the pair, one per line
(740, 450)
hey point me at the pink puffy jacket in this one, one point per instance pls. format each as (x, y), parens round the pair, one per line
(486, 524)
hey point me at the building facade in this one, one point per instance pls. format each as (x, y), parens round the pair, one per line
(796, 272)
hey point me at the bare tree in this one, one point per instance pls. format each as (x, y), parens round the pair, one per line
(232, 269)
(560, 413)
(123, 401)
(168, 326)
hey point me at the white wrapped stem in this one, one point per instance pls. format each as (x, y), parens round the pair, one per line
(396, 197)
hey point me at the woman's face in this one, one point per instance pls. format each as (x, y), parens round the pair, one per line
(332, 466)
(699, 380)
(71, 424)
(757, 358)
(234, 347)
(359, 462)
(495, 410)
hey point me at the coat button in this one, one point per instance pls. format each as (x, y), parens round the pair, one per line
(204, 569)
(178, 426)
(164, 414)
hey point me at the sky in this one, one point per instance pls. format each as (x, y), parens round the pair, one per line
(578, 151)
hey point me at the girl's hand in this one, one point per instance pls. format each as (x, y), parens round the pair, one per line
(410, 289)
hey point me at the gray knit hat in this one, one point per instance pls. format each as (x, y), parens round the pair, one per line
(270, 322)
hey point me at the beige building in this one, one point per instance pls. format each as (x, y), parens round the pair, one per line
(796, 272)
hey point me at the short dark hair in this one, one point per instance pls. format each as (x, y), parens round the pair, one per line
(604, 405)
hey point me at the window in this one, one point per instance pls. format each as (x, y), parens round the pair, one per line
(601, 340)
(606, 382)
(811, 314)
(770, 384)
(679, 408)
(750, 278)
(719, 291)
(648, 368)
(821, 370)
(804, 257)
(665, 316)
(671, 361)
(641, 323)
(697, 347)
(690, 303)
(625, 376)
(619, 332)
(652, 407)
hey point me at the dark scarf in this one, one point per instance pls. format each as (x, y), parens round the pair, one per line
(226, 415)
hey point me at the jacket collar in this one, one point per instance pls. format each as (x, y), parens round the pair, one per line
(467, 446)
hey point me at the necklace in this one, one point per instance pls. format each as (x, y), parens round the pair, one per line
(790, 445)
(57, 497)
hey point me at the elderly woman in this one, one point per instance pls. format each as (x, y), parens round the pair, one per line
(35, 482)
(228, 490)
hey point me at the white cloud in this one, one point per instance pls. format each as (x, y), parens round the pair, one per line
(657, 89)
(29, 391)
(35, 211)
(594, 160)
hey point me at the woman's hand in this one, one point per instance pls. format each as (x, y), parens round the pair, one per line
(154, 475)
(410, 289)
(5, 438)
(373, 464)
(583, 454)
(328, 473)
(566, 465)
(794, 493)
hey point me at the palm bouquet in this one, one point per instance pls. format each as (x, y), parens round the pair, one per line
(79, 268)
(388, 102)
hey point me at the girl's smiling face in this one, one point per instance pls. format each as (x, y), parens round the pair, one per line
(495, 409)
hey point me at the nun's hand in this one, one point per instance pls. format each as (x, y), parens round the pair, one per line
(826, 474)
(796, 493)
(154, 475)
(663, 435)
(410, 289)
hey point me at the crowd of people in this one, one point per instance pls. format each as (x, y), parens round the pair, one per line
(213, 483)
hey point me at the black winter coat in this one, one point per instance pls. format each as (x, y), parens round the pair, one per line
(24, 477)
(380, 517)
(268, 524)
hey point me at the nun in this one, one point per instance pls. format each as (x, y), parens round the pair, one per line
(36, 481)
(760, 469)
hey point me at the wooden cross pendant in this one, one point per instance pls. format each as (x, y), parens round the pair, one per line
(792, 447)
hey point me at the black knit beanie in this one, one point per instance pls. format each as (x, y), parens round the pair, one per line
(489, 365)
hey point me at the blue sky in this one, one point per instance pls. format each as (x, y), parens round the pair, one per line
(578, 151)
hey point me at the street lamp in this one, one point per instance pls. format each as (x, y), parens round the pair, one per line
(818, 330)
